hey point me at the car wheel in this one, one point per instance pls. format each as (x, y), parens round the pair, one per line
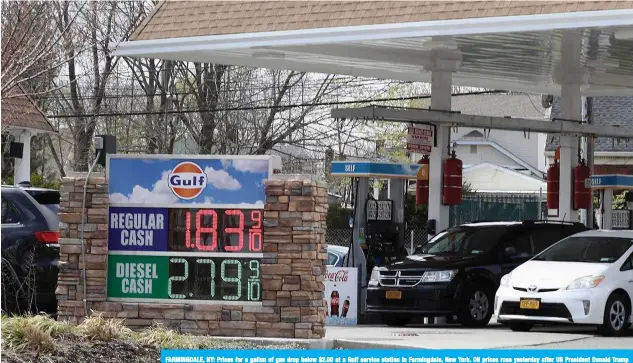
(520, 326)
(617, 312)
(476, 306)
(396, 320)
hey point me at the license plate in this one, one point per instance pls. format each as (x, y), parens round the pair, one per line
(530, 304)
(394, 295)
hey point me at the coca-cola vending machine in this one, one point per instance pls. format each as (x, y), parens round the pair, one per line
(341, 285)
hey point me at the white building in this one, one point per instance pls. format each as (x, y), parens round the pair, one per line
(501, 161)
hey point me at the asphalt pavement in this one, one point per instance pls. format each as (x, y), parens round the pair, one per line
(452, 336)
(494, 336)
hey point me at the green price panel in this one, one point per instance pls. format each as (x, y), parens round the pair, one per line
(184, 278)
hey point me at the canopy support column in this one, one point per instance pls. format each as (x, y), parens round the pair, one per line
(571, 79)
(440, 100)
(570, 107)
(606, 206)
(445, 63)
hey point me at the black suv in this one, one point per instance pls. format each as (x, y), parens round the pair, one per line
(30, 249)
(458, 271)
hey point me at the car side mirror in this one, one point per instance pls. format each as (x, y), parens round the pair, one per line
(510, 251)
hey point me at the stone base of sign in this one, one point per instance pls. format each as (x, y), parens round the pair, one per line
(292, 270)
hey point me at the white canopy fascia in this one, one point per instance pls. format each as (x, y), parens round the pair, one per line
(400, 51)
(437, 28)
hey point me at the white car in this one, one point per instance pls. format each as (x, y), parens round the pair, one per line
(586, 278)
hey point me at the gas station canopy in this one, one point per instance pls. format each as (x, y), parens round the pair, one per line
(566, 48)
(373, 169)
(613, 181)
(497, 45)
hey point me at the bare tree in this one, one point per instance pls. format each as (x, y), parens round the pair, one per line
(156, 106)
(31, 40)
(99, 24)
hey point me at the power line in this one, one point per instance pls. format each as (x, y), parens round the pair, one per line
(254, 108)
(142, 95)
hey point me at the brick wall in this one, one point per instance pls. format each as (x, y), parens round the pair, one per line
(69, 284)
(295, 256)
(294, 238)
(613, 169)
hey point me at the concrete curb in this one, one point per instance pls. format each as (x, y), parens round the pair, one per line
(351, 344)
(328, 344)
(301, 343)
(318, 344)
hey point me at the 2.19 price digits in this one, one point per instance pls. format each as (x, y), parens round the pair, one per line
(205, 227)
(230, 285)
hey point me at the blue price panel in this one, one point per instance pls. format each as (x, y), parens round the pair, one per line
(138, 229)
(398, 356)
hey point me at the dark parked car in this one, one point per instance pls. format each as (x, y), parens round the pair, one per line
(30, 250)
(458, 271)
(49, 198)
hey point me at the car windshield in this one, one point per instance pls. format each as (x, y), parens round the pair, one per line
(593, 249)
(469, 241)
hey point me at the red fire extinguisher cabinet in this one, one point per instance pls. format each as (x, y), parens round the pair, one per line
(452, 181)
(553, 184)
(582, 191)
(422, 182)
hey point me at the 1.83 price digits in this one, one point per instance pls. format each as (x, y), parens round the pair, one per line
(216, 230)
(229, 279)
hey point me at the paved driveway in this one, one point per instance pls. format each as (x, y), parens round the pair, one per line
(456, 337)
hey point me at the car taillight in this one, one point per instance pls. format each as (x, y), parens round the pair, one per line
(47, 236)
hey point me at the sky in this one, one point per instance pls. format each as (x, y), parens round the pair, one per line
(145, 181)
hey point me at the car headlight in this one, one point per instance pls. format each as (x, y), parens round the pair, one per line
(505, 280)
(374, 279)
(587, 282)
(439, 276)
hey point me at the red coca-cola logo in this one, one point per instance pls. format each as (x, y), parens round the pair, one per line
(338, 276)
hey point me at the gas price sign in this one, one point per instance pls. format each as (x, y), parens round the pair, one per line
(184, 278)
(215, 230)
(230, 279)
(182, 252)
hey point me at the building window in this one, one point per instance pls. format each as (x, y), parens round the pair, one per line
(473, 149)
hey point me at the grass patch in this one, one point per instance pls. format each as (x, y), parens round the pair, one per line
(40, 334)
(29, 333)
(97, 328)
(160, 337)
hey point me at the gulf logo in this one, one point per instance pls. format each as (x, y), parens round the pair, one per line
(187, 180)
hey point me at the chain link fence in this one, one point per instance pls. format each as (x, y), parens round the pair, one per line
(497, 207)
(342, 237)
(477, 207)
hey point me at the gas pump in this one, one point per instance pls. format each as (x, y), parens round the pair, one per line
(377, 237)
(384, 244)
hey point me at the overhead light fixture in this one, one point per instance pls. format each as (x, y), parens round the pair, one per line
(442, 42)
(624, 34)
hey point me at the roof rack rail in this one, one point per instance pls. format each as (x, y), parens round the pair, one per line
(545, 221)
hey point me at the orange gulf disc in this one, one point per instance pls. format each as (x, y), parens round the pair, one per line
(187, 193)
(187, 168)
